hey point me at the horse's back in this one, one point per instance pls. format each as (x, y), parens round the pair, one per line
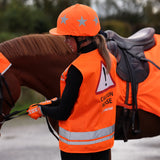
(148, 91)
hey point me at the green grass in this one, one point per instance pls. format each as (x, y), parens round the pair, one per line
(27, 97)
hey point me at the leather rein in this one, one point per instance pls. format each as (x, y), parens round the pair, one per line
(15, 114)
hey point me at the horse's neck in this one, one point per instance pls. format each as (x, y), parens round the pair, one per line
(41, 73)
(38, 61)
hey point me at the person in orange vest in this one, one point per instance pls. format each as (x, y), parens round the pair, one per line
(87, 105)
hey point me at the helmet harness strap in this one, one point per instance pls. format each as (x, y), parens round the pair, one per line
(79, 43)
(86, 48)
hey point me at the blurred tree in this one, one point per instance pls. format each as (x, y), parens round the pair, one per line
(24, 19)
(127, 11)
(17, 16)
(155, 5)
(137, 13)
(3, 4)
(123, 28)
(157, 22)
(52, 8)
(8, 35)
(148, 14)
(151, 14)
(108, 8)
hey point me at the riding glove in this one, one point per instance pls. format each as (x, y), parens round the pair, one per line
(34, 110)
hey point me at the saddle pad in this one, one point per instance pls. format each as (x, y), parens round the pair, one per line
(4, 64)
(148, 98)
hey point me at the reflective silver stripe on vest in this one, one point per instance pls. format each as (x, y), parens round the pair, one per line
(90, 136)
(88, 142)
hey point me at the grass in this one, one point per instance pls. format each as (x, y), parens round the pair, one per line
(27, 97)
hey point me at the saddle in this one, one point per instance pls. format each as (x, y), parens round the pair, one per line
(132, 66)
(130, 53)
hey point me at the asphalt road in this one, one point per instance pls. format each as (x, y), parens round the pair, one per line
(27, 139)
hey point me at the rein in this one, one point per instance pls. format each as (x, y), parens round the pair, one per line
(14, 114)
(11, 105)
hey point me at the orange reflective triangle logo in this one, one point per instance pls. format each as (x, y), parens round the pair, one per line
(105, 80)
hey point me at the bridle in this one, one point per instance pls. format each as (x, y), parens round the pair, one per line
(6, 117)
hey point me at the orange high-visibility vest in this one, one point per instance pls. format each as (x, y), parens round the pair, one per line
(90, 127)
(148, 98)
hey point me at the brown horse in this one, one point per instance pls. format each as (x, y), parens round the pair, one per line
(37, 62)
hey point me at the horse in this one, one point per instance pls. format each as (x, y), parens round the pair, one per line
(37, 63)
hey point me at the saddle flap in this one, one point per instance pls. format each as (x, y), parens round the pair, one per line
(140, 69)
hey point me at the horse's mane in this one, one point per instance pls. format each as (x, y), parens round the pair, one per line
(35, 44)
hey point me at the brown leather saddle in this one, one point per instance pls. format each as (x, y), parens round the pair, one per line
(130, 53)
